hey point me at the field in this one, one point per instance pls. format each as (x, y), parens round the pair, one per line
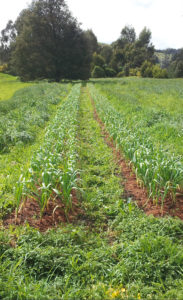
(9, 85)
(76, 160)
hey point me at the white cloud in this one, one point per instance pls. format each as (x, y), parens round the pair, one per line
(106, 18)
(144, 3)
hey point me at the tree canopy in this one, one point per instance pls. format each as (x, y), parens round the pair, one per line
(49, 43)
(46, 41)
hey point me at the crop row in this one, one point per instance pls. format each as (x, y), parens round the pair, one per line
(27, 111)
(52, 173)
(159, 171)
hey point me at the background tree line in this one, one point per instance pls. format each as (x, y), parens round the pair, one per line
(46, 41)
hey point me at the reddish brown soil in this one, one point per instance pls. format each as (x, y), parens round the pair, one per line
(132, 189)
(53, 215)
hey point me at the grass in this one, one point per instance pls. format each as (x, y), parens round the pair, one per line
(9, 85)
(26, 112)
(101, 187)
(114, 251)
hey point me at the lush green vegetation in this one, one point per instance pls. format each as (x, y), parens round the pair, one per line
(9, 85)
(53, 166)
(45, 41)
(69, 52)
(155, 106)
(145, 119)
(22, 121)
(113, 251)
(26, 112)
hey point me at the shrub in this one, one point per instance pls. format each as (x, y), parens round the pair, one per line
(109, 72)
(98, 72)
(133, 71)
(157, 72)
(121, 74)
(3, 68)
(124, 72)
(97, 60)
(146, 69)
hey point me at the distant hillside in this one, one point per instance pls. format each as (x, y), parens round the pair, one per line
(164, 57)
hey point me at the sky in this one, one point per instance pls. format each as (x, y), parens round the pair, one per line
(107, 18)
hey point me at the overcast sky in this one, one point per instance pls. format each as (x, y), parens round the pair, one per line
(107, 17)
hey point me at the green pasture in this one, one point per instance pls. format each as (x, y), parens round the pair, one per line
(9, 85)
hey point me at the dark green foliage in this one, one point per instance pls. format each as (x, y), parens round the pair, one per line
(128, 36)
(176, 67)
(97, 60)
(106, 52)
(155, 71)
(50, 43)
(7, 39)
(109, 72)
(121, 74)
(98, 72)
(130, 52)
(91, 42)
(144, 38)
(179, 69)
(146, 69)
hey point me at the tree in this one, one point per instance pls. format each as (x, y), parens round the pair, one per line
(144, 48)
(109, 72)
(98, 72)
(144, 38)
(91, 41)
(106, 52)
(130, 52)
(117, 59)
(147, 69)
(176, 67)
(157, 72)
(97, 60)
(8, 36)
(50, 43)
(128, 35)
